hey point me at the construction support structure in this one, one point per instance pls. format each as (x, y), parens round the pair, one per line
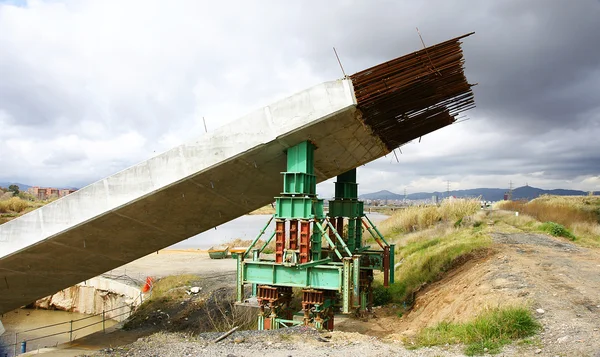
(322, 254)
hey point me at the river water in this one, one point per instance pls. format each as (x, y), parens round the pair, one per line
(26, 319)
(245, 228)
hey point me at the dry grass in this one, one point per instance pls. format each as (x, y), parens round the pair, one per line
(549, 211)
(586, 228)
(172, 286)
(246, 243)
(14, 205)
(582, 202)
(417, 218)
(223, 315)
(580, 214)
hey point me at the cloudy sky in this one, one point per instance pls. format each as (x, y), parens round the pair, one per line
(88, 88)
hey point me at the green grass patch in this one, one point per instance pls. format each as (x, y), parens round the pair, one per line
(557, 230)
(172, 286)
(489, 332)
(426, 259)
(416, 246)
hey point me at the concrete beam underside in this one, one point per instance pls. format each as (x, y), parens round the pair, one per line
(180, 193)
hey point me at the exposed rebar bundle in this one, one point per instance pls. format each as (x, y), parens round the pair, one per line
(415, 94)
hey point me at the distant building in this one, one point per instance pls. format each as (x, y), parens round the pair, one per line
(42, 193)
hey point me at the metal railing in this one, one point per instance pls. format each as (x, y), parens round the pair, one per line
(23, 343)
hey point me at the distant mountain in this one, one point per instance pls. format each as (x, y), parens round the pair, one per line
(488, 194)
(22, 186)
(382, 195)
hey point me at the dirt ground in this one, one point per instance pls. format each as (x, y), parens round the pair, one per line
(176, 262)
(558, 280)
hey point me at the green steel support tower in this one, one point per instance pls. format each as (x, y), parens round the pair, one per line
(321, 254)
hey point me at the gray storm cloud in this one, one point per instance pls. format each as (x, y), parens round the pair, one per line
(88, 88)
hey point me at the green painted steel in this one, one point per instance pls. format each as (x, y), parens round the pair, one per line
(240, 279)
(335, 248)
(392, 263)
(363, 300)
(355, 280)
(313, 263)
(284, 322)
(340, 272)
(376, 230)
(339, 238)
(255, 255)
(359, 234)
(346, 208)
(261, 322)
(262, 231)
(273, 322)
(348, 190)
(346, 282)
(298, 200)
(300, 158)
(299, 208)
(346, 186)
(324, 277)
(315, 243)
(350, 240)
(296, 183)
(267, 242)
(348, 176)
(375, 259)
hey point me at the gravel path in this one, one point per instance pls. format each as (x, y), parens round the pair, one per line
(562, 281)
(296, 342)
(534, 239)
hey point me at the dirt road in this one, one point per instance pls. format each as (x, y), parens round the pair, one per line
(558, 280)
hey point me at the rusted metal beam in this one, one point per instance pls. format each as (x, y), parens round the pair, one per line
(415, 94)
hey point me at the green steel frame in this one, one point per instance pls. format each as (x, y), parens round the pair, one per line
(322, 254)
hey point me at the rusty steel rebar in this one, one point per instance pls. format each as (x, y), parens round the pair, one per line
(413, 95)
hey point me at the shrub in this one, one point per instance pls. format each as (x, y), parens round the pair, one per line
(381, 295)
(557, 230)
(13, 204)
